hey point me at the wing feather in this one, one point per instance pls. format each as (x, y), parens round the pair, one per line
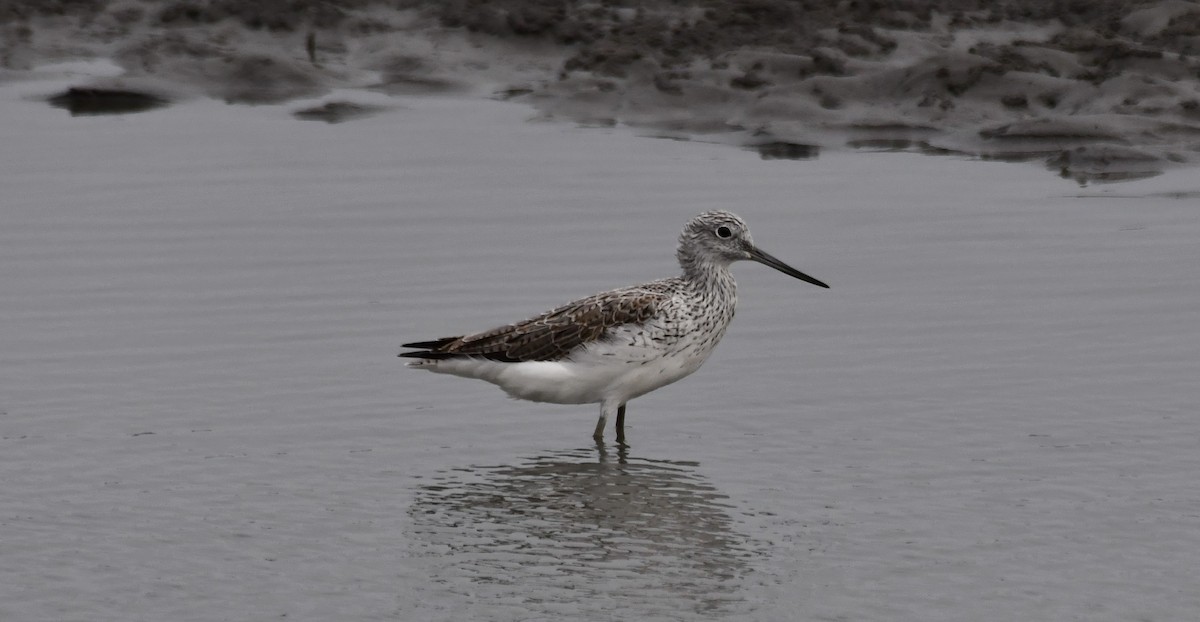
(553, 335)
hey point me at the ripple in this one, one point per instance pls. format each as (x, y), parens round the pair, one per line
(568, 533)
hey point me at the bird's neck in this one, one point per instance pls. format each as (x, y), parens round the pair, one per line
(712, 278)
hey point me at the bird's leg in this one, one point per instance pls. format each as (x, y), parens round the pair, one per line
(606, 408)
(599, 433)
(621, 424)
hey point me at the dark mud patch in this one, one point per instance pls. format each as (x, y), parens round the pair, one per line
(1051, 131)
(906, 145)
(884, 144)
(82, 101)
(336, 112)
(1186, 195)
(1017, 155)
(781, 150)
(1104, 163)
(512, 93)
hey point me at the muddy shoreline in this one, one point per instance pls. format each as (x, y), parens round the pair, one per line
(1094, 91)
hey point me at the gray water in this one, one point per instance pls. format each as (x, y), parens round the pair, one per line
(990, 416)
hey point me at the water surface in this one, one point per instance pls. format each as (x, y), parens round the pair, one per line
(990, 416)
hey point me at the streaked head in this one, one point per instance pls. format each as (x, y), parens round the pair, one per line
(721, 238)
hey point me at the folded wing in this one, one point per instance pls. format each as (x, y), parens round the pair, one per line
(551, 336)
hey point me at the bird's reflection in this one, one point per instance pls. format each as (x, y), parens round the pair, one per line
(584, 530)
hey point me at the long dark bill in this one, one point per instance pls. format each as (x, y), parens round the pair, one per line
(767, 259)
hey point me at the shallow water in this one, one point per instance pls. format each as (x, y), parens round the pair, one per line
(991, 416)
(580, 533)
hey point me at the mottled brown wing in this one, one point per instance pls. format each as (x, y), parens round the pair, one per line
(552, 335)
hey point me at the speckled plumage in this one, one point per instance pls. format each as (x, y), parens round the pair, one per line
(620, 344)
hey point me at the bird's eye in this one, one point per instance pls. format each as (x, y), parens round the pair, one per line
(724, 232)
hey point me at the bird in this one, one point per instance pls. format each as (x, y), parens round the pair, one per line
(614, 346)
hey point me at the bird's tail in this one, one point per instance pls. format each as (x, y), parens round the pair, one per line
(427, 352)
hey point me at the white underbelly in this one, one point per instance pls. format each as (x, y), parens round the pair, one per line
(603, 371)
(556, 382)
